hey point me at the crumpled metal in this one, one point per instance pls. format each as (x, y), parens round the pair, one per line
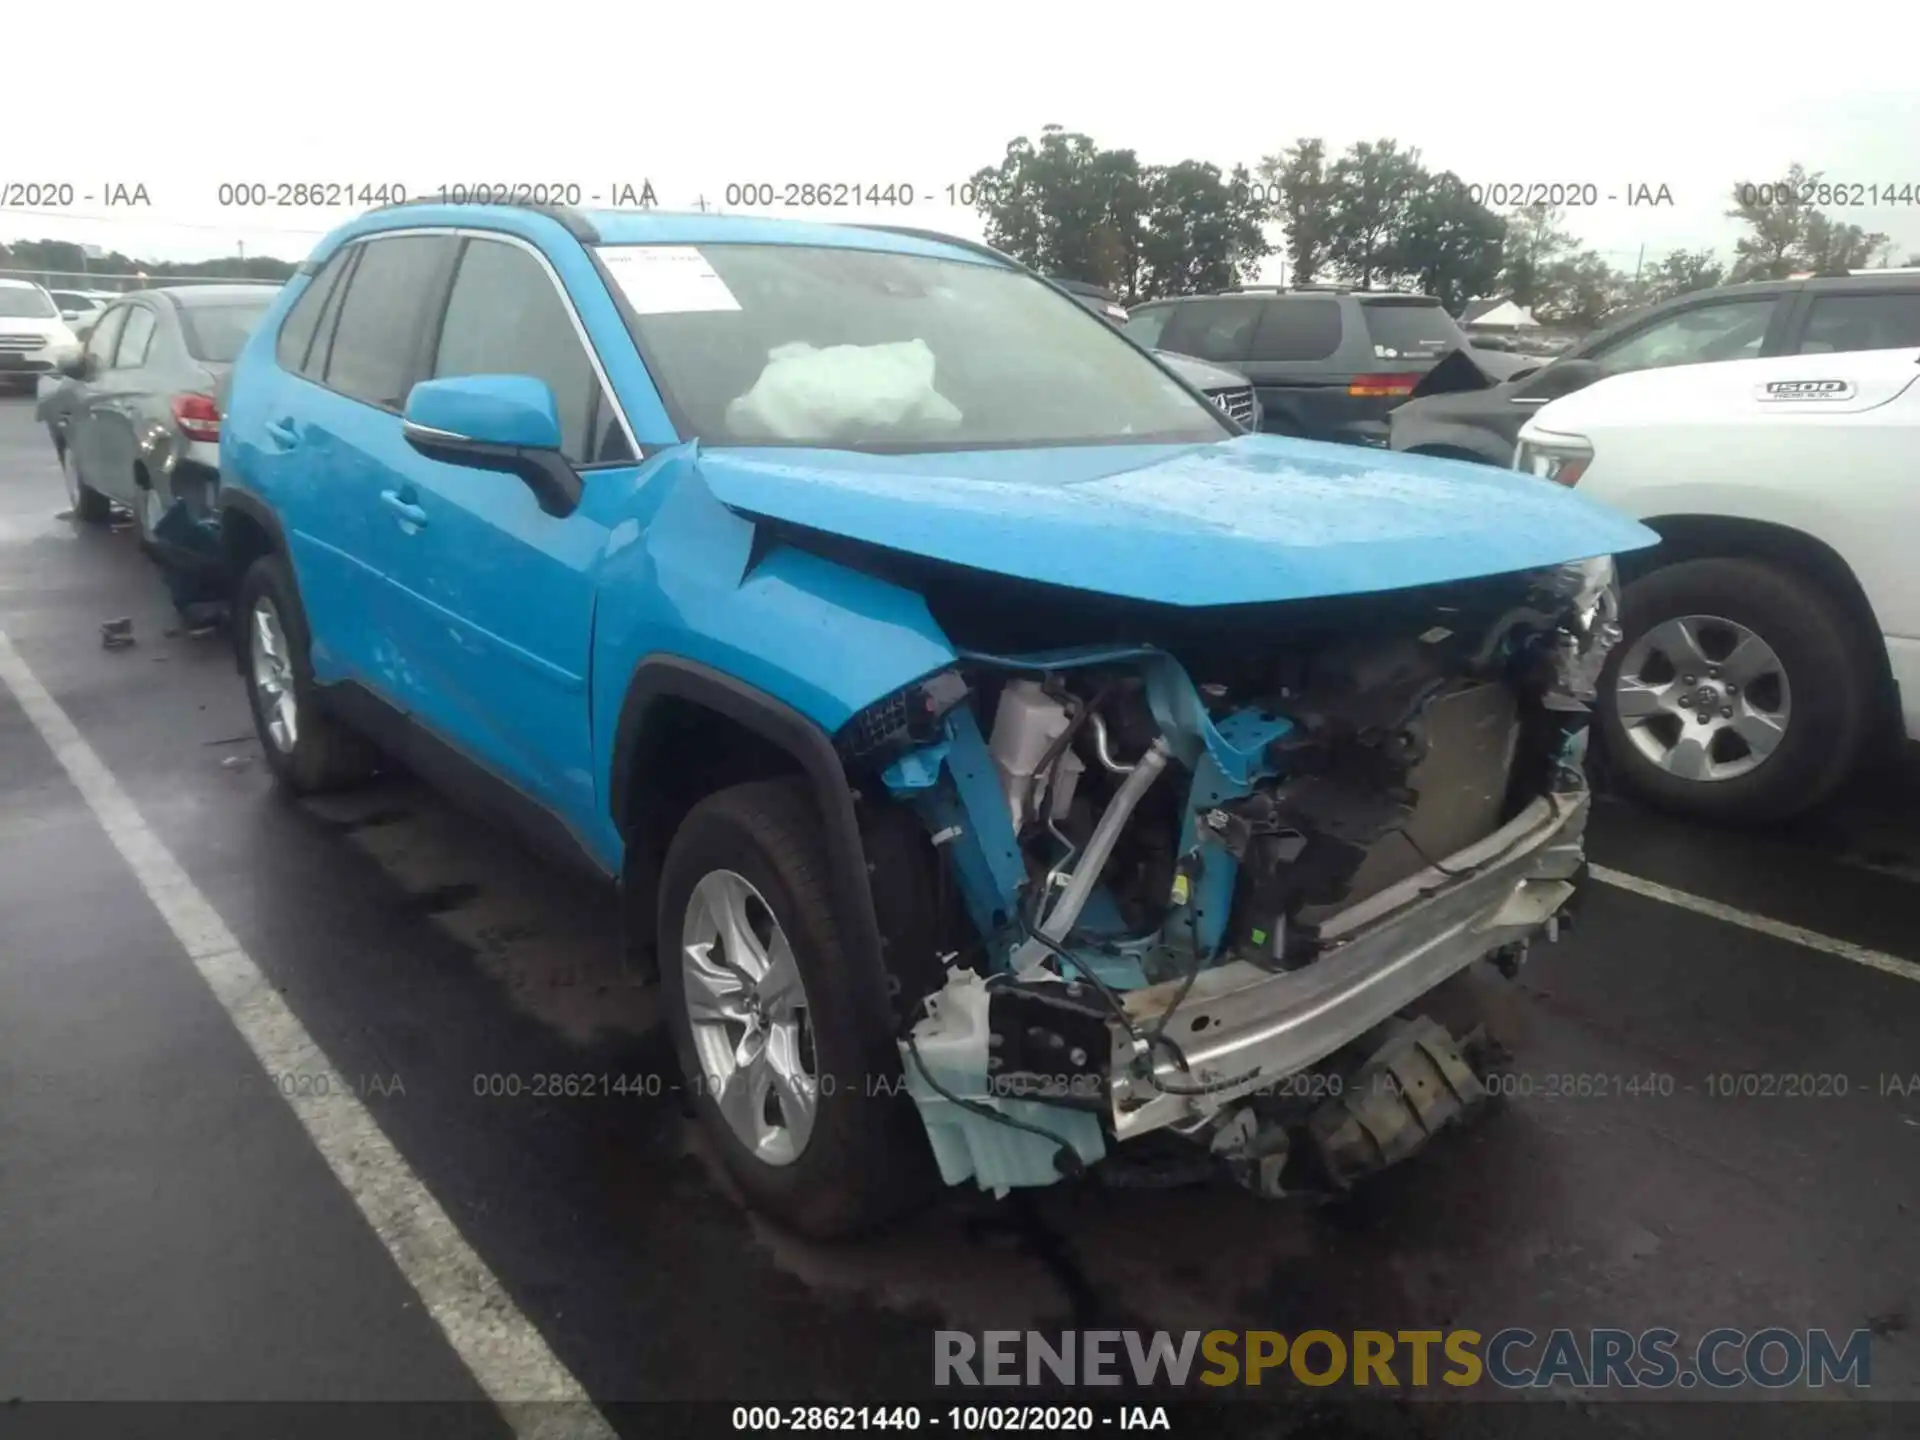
(1586, 594)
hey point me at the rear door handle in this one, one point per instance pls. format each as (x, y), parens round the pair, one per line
(405, 509)
(283, 433)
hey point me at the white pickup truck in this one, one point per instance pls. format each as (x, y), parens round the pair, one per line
(1775, 631)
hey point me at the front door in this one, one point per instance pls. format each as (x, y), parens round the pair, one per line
(495, 595)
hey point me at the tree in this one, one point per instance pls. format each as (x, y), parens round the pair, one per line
(63, 258)
(1202, 231)
(1681, 272)
(1373, 190)
(1823, 245)
(1535, 243)
(1451, 244)
(1776, 221)
(1304, 192)
(1066, 207)
(1580, 291)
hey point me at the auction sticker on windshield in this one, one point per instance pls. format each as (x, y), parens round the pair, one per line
(666, 279)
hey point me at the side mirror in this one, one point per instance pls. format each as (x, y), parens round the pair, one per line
(78, 367)
(495, 422)
(1562, 377)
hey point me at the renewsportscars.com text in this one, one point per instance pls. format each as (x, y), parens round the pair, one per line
(1771, 1358)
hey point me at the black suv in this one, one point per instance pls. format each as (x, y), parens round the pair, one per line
(1472, 417)
(1326, 362)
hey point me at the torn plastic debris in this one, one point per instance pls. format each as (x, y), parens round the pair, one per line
(1591, 590)
(808, 394)
(950, 1052)
(188, 545)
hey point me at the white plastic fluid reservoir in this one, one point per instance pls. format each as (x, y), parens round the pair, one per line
(952, 1046)
(1025, 723)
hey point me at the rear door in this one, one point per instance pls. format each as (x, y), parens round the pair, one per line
(335, 433)
(113, 403)
(495, 595)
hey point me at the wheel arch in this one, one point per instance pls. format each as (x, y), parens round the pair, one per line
(685, 730)
(1705, 537)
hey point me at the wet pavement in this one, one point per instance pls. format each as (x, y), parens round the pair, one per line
(168, 1231)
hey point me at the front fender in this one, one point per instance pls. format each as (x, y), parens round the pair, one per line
(694, 580)
(1412, 433)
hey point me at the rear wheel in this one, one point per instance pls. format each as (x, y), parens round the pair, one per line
(308, 750)
(768, 1035)
(87, 504)
(1739, 691)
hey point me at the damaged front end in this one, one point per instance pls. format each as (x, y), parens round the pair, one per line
(1201, 886)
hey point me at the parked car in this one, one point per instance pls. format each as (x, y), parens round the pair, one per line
(1228, 389)
(79, 308)
(34, 340)
(1097, 298)
(1776, 630)
(1466, 417)
(134, 419)
(1326, 362)
(1000, 756)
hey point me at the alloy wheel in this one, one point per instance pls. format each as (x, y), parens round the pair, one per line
(1704, 698)
(272, 667)
(749, 1014)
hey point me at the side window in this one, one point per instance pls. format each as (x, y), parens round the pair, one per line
(105, 334)
(383, 316)
(1297, 329)
(1145, 325)
(1212, 329)
(303, 320)
(505, 316)
(1730, 331)
(1862, 322)
(136, 339)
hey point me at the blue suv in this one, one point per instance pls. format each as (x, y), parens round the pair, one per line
(999, 756)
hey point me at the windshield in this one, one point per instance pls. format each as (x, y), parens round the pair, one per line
(216, 332)
(1421, 330)
(27, 302)
(870, 350)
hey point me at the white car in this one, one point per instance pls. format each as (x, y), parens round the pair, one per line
(1775, 631)
(34, 340)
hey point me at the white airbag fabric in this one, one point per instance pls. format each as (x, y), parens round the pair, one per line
(806, 394)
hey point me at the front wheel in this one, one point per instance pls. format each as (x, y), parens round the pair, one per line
(768, 1035)
(1739, 691)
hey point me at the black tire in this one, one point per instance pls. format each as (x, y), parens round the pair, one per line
(1827, 668)
(867, 1159)
(325, 755)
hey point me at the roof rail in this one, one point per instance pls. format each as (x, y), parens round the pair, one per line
(914, 233)
(575, 222)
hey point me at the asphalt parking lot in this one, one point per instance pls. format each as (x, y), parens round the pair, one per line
(172, 1228)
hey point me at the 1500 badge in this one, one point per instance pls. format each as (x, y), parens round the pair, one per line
(1807, 390)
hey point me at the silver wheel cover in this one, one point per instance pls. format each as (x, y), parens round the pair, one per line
(748, 1011)
(1704, 698)
(272, 674)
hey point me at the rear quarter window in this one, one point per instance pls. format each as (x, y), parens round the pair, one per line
(1212, 329)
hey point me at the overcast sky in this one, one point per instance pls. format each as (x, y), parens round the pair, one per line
(1693, 97)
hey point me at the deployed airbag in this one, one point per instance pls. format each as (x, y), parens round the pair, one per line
(810, 395)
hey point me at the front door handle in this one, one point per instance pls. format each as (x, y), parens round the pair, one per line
(283, 433)
(405, 509)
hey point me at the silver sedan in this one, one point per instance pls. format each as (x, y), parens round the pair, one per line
(135, 420)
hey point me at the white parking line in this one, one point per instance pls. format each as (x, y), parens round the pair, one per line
(1778, 929)
(506, 1354)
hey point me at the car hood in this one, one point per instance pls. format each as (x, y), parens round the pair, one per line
(1251, 519)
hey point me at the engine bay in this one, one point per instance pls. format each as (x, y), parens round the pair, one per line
(1119, 820)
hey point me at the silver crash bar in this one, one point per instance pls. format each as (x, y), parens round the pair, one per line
(1243, 1028)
